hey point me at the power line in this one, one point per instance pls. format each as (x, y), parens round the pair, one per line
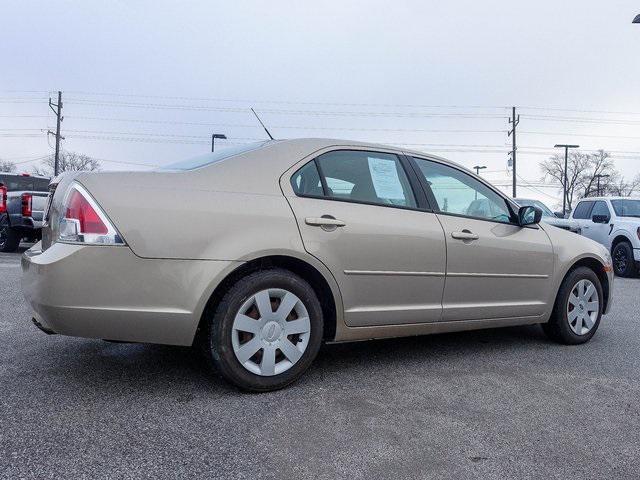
(284, 102)
(607, 121)
(273, 111)
(560, 134)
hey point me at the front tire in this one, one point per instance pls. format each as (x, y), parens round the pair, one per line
(9, 238)
(578, 308)
(266, 331)
(623, 261)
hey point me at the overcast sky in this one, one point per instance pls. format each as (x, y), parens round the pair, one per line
(386, 67)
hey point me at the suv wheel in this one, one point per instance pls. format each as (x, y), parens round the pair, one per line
(578, 308)
(266, 331)
(9, 238)
(623, 262)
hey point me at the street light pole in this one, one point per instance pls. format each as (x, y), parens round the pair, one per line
(598, 177)
(213, 139)
(565, 185)
(478, 168)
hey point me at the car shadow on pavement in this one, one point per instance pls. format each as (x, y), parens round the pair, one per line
(161, 370)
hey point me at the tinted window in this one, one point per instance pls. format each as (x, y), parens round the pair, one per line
(306, 181)
(368, 177)
(15, 183)
(600, 208)
(626, 208)
(461, 194)
(214, 157)
(582, 210)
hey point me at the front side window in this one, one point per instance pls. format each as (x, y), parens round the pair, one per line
(600, 208)
(459, 193)
(626, 208)
(361, 176)
(582, 210)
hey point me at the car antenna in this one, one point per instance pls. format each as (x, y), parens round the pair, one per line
(265, 128)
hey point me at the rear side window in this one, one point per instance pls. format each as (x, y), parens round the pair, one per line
(357, 176)
(582, 210)
(306, 181)
(367, 177)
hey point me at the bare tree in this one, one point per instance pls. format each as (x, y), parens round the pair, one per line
(599, 164)
(6, 166)
(583, 171)
(68, 162)
(621, 188)
(577, 165)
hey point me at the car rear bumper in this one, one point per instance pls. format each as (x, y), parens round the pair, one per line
(108, 292)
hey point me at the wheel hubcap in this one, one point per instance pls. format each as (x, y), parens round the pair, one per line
(583, 307)
(270, 332)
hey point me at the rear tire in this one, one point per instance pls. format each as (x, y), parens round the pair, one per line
(624, 264)
(255, 344)
(9, 238)
(575, 309)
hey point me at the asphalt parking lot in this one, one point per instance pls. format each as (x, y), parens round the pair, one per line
(490, 404)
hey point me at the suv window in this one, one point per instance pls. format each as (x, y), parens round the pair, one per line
(358, 176)
(459, 193)
(600, 208)
(626, 208)
(582, 210)
(16, 183)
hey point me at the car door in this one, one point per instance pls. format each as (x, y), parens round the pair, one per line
(359, 214)
(582, 216)
(600, 230)
(495, 268)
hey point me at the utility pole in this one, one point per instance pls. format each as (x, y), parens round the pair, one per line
(58, 112)
(565, 185)
(213, 139)
(598, 177)
(514, 120)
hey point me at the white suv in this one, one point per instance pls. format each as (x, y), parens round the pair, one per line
(615, 223)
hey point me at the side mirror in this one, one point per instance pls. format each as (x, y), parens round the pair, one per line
(559, 214)
(600, 219)
(529, 216)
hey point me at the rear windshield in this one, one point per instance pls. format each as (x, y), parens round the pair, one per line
(214, 157)
(16, 183)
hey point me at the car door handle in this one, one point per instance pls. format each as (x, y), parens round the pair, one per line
(464, 235)
(325, 221)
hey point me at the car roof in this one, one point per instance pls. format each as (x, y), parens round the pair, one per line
(592, 199)
(313, 144)
(13, 174)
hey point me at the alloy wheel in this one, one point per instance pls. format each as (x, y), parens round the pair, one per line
(4, 231)
(620, 260)
(270, 332)
(583, 307)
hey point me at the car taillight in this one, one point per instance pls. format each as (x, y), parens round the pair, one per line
(3, 199)
(27, 202)
(84, 221)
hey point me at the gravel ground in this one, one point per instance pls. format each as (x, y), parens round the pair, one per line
(501, 403)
